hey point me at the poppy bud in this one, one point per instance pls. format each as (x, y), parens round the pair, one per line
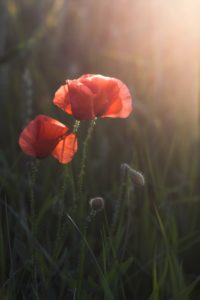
(136, 177)
(97, 204)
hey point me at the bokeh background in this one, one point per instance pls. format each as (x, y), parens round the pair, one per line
(154, 47)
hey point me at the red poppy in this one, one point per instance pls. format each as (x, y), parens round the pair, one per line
(93, 96)
(45, 136)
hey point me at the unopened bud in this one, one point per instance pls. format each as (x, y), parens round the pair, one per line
(136, 177)
(97, 204)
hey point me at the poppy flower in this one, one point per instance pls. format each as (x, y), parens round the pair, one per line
(45, 136)
(92, 96)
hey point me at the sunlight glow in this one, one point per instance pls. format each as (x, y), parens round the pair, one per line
(177, 46)
(160, 44)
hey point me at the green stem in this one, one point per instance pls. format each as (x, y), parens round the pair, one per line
(76, 126)
(61, 197)
(85, 148)
(117, 208)
(32, 178)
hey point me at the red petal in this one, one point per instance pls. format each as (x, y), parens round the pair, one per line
(41, 135)
(94, 95)
(104, 89)
(66, 148)
(81, 99)
(61, 99)
(121, 106)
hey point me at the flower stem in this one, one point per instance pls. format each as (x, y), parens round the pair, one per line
(76, 126)
(32, 179)
(85, 148)
(117, 208)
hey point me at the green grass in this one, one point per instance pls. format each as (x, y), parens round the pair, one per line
(49, 250)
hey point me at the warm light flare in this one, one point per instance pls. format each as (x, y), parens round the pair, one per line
(177, 46)
(159, 46)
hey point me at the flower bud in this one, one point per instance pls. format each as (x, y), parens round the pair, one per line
(97, 204)
(136, 177)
